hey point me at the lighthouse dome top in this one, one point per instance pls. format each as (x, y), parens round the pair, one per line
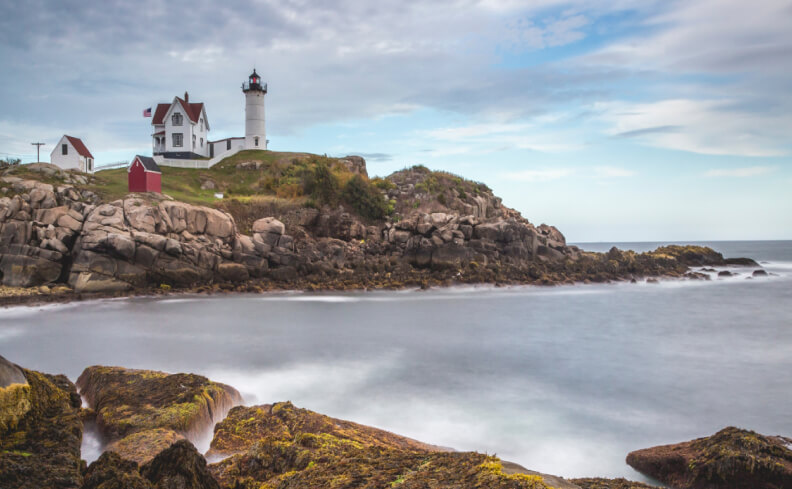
(254, 83)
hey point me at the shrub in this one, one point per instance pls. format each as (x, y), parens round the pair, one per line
(321, 184)
(365, 198)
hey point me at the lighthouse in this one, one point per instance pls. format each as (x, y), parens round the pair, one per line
(255, 134)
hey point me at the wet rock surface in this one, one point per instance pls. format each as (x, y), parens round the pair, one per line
(178, 466)
(143, 411)
(41, 446)
(281, 445)
(731, 459)
(599, 483)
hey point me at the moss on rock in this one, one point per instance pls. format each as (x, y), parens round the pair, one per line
(282, 446)
(42, 448)
(731, 459)
(131, 404)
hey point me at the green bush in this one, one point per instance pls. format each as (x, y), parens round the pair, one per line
(321, 184)
(365, 198)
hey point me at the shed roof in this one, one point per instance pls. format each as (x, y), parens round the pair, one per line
(148, 163)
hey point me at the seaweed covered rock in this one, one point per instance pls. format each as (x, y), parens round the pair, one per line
(283, 446)
(130, 403)
(699, 256)
(282, 422)
(111, 471)
(597, 483)
(142, 446)
(14, 394)
(179, 466)
(41, 447)
(731, 459)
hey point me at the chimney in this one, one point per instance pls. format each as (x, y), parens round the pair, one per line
(186, 96)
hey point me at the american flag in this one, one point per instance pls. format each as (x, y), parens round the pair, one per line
(147, 112)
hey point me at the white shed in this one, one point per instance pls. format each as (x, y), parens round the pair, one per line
(71, 154)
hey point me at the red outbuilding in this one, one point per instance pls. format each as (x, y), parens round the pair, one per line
(144, 175)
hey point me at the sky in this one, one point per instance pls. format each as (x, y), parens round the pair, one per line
(627, 120)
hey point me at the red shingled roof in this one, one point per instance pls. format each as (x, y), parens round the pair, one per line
(193, 111)
(80, 147)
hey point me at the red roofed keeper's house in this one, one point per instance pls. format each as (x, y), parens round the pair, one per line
(144, 175)
(180, 129)
(71, 154)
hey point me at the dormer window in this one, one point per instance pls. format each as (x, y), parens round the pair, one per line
(176, 119)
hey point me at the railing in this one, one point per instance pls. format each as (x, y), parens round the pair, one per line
(255, 86)
(111, 166)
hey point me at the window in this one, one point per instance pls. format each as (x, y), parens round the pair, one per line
(255, 141)
(177, 139)
(64, 149)
(193, 141)
(202, 142)
(228, 144)
(202, 126)
(176, 119)
(90, 164)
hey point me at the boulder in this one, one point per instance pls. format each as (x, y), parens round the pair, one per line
(179, 466)
(26, 266)
(142, 446)
(41, 448)
(233, 272)
(269, 225)
(128, 402)
(280, 445)
(597, 483)
(111, 471)
(731, 459)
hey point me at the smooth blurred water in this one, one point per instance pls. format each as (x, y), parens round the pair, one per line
(565, 380)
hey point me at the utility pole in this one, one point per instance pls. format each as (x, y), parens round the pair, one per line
(38, 148)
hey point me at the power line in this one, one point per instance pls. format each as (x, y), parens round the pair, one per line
(38, 148)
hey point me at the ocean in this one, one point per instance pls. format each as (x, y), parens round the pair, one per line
(565, 380)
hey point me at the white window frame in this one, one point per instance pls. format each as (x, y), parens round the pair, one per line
(178, 139)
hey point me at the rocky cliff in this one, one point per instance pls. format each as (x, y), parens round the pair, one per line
(57, 230)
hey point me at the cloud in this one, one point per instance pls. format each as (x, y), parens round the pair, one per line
(539, 175)
(613, 172)
(648, 130)
(716, 127)
(745, 172)
(375, 156)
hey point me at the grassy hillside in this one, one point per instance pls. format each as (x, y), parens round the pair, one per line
(299, 178)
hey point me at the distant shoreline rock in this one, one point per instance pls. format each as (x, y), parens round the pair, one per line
(731, 459)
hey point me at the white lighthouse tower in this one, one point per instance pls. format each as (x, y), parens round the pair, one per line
(255, 133)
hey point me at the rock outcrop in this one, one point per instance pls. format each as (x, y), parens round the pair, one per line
(730, 459)
(178, 466)
(598, 483)
(42, 431)
(281, 422)
(283, 446)
(142, 411)
(440, 229)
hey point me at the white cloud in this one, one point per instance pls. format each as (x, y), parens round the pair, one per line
(613, 172)
(539, 175)
(745, 172)
(717, 127)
